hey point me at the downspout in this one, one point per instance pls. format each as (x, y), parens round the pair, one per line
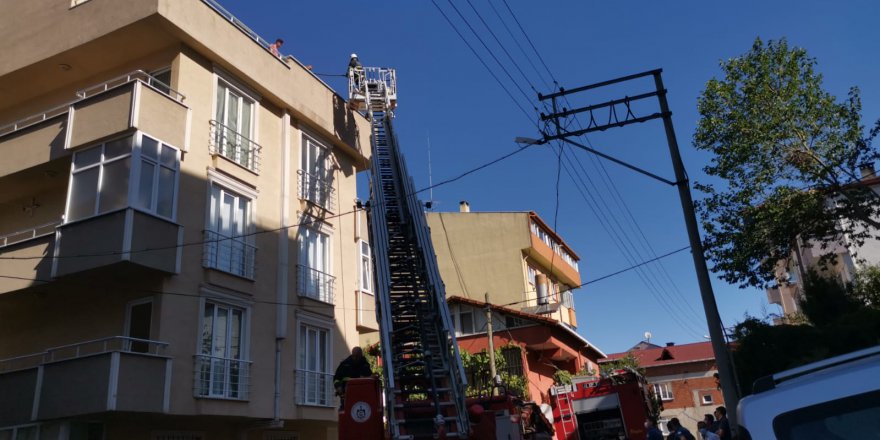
(283, 265)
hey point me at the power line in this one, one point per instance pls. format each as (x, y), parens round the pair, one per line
(530, 41)
(480, 59)
(309, 222)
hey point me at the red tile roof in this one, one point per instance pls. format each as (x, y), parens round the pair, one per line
(676, 354)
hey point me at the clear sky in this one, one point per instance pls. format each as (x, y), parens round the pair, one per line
(445, 94)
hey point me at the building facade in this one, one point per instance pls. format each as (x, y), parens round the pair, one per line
(533, 346)
(683, 378)
(849, 257)
(515, 257)
(180, 249)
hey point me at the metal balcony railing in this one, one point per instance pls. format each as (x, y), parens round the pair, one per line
(85, 348)
(314, 388)
(221, 378)
(317, 189)
(229, 254)
(137, 75)
(315, 284)
(234, 146)
(28, 234)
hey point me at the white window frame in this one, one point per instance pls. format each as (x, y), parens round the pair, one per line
(460, 329)
(306, 321)
(230, 302)
(212, 220)
(311, 174)
(366, 267)
(705, 401)
(235, 86)
(16, 428)
(135, 156)
(314, 226)
(663, 390)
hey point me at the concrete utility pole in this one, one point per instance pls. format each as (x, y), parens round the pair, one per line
(491, 342)
(621, 113)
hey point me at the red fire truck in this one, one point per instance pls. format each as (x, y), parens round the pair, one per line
(611, 407)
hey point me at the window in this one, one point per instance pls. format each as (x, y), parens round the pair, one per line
(663, 391)
(854, 416)
(138, 324)
(24, 432)
(221, 370)
(568, 299)
(513, 321)
(232, 127)
(466, 322)
(134, 171)
(532, 275)
(512, 361)
(315, 279)
(314, 377)
(316, 174)
(707, 399)
(161, 80)
(228, 239)
(366, 268)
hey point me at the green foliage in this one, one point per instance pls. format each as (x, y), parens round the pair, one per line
(562, 377)
(781, 147)
(628, 361)
(476, 366)
(838, 323)
(866, 287)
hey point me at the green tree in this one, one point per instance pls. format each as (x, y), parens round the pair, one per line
(781, 147)
(628, 361)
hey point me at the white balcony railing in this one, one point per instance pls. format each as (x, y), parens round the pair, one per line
(229, 254)
(317, 189)
(28, 234)
(137, 75)
(314, 388)
(85, 348)
(221, 378)
(315, 284)
(234, 146)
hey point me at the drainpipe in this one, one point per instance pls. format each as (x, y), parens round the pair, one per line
(283, 264)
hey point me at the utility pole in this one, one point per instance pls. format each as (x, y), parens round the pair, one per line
(491, 343)
(619, 114)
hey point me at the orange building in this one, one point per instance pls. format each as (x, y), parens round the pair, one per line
(533, 346)
(683, 377)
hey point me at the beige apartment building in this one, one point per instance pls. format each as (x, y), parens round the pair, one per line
(515, 257)
(180, 256)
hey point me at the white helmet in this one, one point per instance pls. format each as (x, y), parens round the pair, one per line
(354, 55)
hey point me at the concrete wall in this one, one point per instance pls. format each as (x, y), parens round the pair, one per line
(689, 382)
(481, 252)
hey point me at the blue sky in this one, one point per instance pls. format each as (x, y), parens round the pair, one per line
(447, 95)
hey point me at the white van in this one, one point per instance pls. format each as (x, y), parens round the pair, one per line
(838, 398)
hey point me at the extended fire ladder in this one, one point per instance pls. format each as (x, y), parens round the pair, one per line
(424, 377)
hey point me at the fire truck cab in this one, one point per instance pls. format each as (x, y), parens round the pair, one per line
(600, 408)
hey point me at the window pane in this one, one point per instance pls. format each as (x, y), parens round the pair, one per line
(117, 148)
(83, 194)
(246, 109)
(467, 323)
(28, 433)
(163, 80)
(114, 185)
(220, 332)
(5, 434)
(169, 156)
(208, 329)
(149, 147)
(145, 186)
(235, 335)
(87, 157)
(165, 202)
(221, 102)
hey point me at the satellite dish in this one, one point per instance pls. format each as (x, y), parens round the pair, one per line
(648, 336)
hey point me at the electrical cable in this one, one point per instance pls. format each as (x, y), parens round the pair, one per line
(316, 220)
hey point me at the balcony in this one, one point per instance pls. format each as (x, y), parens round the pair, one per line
(314, 388)
(221, 378)
(314, 284)
(125, 235)
(110, 374)
(229, 254)
(228, 143)
(135, 100)
(317, 190)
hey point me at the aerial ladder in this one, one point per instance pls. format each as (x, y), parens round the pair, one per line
(424, 380)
